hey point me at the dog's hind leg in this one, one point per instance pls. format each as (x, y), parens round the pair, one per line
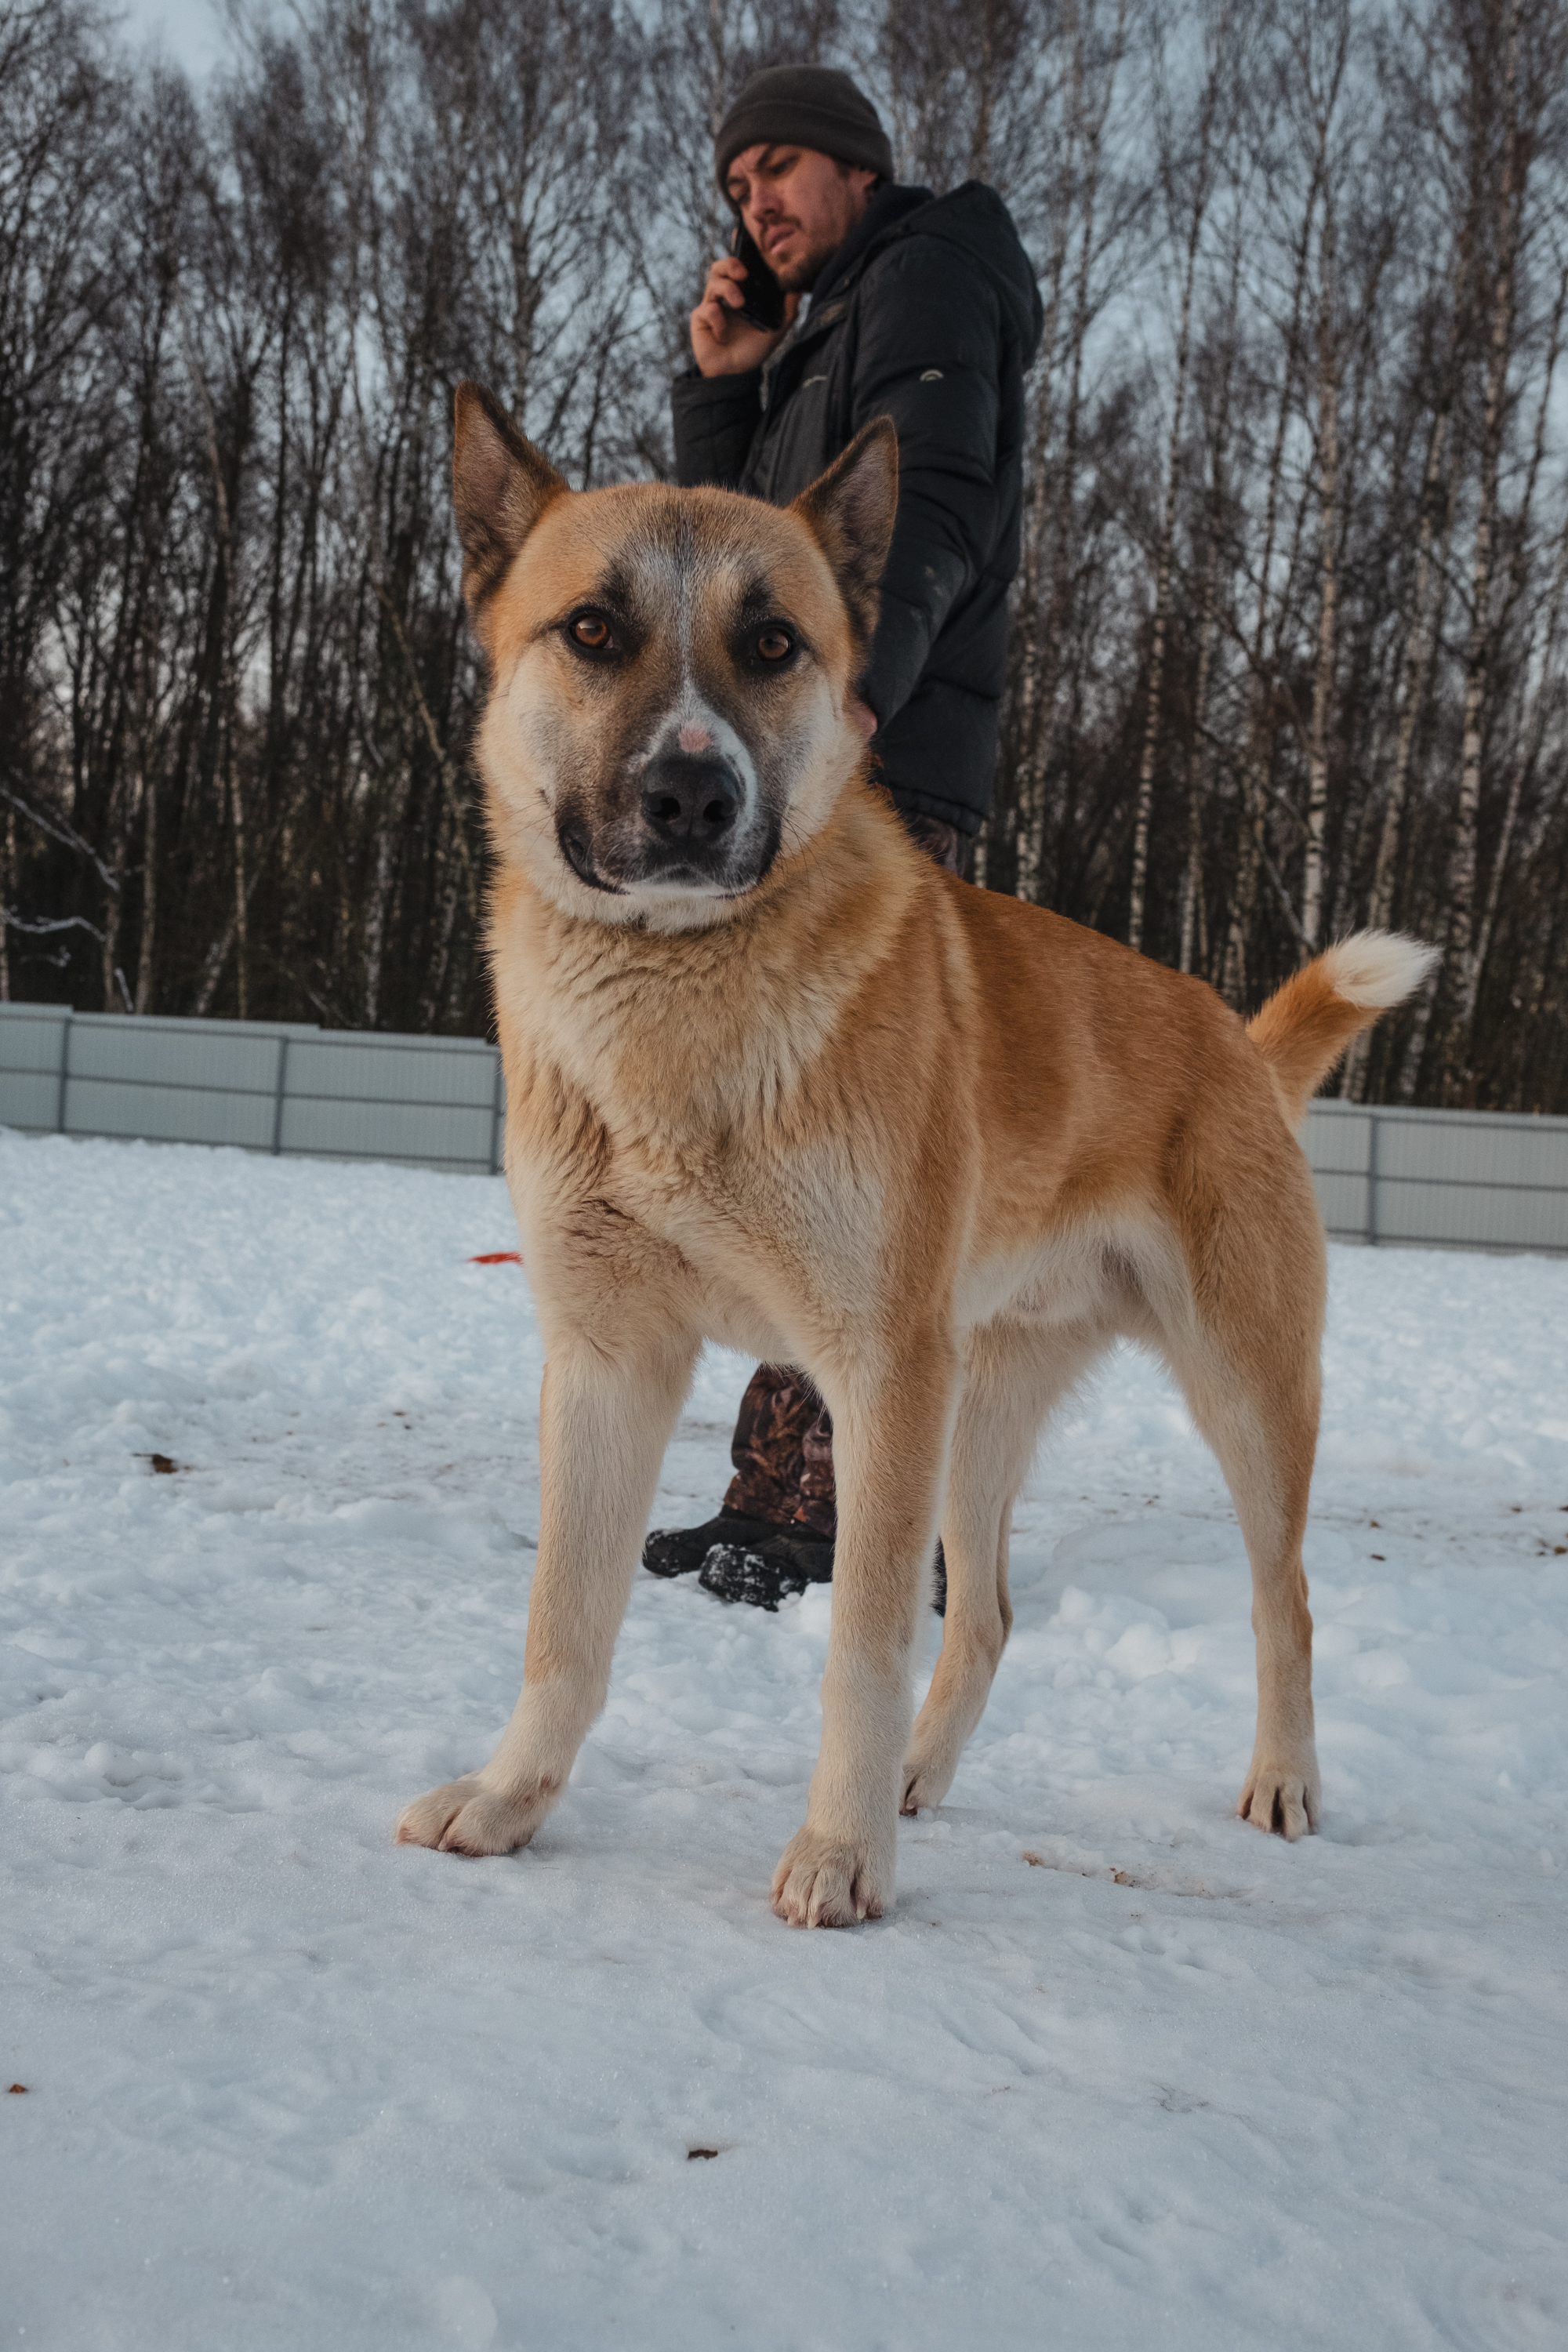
(891, 1430)
(1015, 1375)
(603, 1422)
(1251, 1381)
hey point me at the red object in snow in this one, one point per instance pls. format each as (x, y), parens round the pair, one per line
(498, 1257)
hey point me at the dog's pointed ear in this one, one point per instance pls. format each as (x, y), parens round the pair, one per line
(850, 510)
(500, 487)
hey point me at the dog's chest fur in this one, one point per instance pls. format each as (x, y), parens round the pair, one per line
(696, 1094)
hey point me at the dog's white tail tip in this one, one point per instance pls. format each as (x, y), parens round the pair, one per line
(1377, 969)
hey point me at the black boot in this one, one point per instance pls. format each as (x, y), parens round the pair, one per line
(676, 1551)
(762, 1573)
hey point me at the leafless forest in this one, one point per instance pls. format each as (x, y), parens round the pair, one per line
(1291, 642)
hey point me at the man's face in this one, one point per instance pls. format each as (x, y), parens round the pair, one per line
(798, 205)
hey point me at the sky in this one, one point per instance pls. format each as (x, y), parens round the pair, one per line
(191, 33)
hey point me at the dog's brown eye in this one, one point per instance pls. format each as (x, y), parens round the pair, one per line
(774, 644)
(592, 631)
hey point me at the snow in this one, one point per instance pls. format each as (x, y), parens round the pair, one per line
(1118, 2071)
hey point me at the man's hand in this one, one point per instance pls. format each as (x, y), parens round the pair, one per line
(723, 343)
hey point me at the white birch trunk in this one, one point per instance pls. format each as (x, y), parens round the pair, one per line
(1249, 847)
(1416, 672)
(1088, 128)
(1534, 730)
(1328, 609)
(1479, 642)
(7, 892)
(146, 944)
(1144, 807)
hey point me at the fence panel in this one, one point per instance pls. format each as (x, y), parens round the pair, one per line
(32, 1066)
(433, 1070)
(433, 1101)
(166, 1113)
(1343, 1204)
(1444, 1180)
(430, 1101)
(423, 1133)
(1454, 1180)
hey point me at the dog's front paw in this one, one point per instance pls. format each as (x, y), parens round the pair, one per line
(465, 1817)
(825, 1882)
(1282, 1796)
(925, 1776)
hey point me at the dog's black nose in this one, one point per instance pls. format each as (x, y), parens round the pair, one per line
(691, 796)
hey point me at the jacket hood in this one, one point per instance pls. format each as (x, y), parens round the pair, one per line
(975, 218)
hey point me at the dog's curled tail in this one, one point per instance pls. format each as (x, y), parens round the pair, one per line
(1306, 1025)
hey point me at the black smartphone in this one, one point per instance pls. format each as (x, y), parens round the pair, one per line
(762, 298)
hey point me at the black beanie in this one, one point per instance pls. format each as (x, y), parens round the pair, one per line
(805, 106)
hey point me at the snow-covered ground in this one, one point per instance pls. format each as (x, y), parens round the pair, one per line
(1118, 2071)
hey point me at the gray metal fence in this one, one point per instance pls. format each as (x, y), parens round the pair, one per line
(1455, 1179)
(1445, 1179)
(335, 1094)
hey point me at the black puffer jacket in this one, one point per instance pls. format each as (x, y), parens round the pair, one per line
(928, 313)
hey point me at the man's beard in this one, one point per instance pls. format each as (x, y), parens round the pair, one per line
(799, 276)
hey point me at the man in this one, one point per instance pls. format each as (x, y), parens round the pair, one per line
(925, 309)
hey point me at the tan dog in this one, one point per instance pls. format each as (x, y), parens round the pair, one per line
(773, 1079)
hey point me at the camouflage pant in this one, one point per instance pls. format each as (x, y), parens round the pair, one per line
(783, 1446)
(783, 1454)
